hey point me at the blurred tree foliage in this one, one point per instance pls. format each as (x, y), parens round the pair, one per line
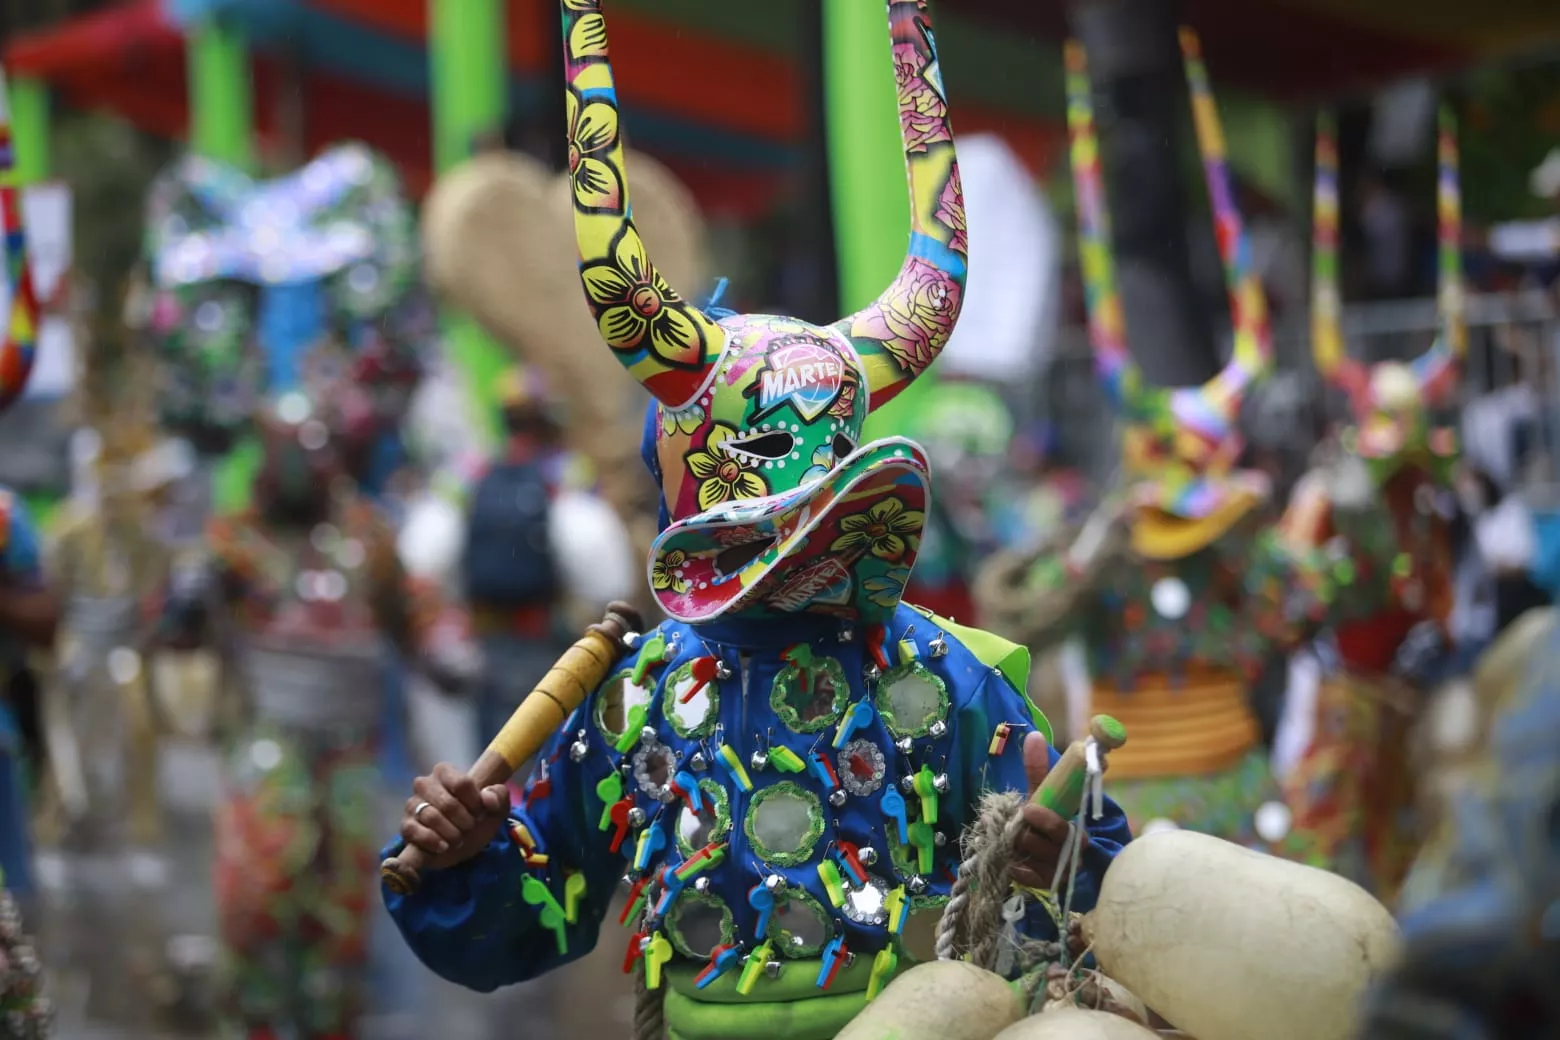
(109, 166)
(1510, 121)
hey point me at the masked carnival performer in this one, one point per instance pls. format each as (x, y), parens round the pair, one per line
(1480, 950)
(255, 282)
(783, 769)
(1179, 585)
(1352, 791)
(29, 614)
(108, 560)
(502, 213)
(303, 592)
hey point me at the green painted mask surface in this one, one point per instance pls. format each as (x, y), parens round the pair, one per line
(786, 403)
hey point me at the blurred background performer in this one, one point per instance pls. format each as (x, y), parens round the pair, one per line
(304, 590)
(1352, 790)
(1177, 584)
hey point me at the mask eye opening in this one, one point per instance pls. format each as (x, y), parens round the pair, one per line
(762, 447)
(842, 445)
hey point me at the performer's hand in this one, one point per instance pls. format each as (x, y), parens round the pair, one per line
(457, 820)
(1039, 845)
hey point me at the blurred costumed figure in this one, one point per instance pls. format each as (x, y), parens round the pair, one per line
(303, 592)
(1481, 950)
(501, 220)
(107, 560)
(966, 428)
(1179, 584)
(748, 753)
(1352, 790)
(255, 280)
(29, 614)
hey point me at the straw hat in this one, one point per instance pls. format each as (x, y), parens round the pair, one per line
(498, 242)
(498, 236)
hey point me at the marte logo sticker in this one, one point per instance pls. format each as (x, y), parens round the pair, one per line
(803, 373)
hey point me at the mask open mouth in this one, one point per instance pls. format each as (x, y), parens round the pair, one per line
(732, 559)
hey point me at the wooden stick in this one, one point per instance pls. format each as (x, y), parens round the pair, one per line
(581, 669)
(1063, 788)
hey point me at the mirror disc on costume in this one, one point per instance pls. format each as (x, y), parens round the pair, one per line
(618, 697)
(695, 830)
(697, 923)
(911, 699)
(808, 699)
(802, 926)
(694, 717)
(784, 823)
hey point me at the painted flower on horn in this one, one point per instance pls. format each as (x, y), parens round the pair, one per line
(588, 38)
(593, 132)
(923, 114)
(950, 213)
(636, 309)
(916, 316)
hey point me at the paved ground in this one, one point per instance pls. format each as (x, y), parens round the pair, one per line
(105, 925)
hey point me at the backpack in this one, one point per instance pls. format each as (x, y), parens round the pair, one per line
(508, 559)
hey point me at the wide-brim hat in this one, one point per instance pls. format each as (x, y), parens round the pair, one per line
(843, 543)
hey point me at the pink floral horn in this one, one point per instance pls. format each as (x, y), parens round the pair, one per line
(664, 341)
(900, 334)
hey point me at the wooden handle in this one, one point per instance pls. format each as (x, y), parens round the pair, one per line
(1062, 790)
(581, 669)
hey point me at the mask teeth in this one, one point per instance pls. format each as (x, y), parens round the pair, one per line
(664, 341)
(1253, 353)
(931, 279)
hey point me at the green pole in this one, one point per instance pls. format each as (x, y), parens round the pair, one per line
(29, 109)
(221, 95)
(28, 101)
(469, 81)
(867, 177)
(221, 101)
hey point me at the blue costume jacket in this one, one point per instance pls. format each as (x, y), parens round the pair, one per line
(785, 798)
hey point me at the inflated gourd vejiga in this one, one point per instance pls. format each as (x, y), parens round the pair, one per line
(939, 1000)
(1230, 944)
(1076, 1024)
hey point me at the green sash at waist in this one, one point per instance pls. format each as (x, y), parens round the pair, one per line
(791, 1006)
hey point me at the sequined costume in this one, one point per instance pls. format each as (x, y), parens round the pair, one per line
(1352, 792)
(1482, 951)
(1185, 587)
(306, 612)
(264, 286)
(782, 769)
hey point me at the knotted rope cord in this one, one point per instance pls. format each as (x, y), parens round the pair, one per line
(973, 922)
(649, 1004)
(649, 1008)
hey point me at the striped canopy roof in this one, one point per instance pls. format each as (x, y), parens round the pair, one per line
(366, 68)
